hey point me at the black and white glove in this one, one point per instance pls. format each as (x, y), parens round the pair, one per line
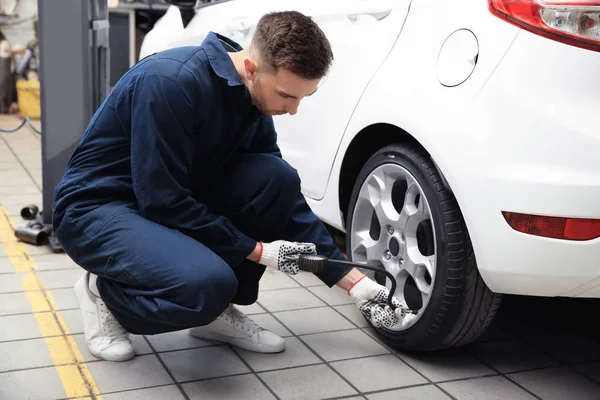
(283, 255)
(371, 300)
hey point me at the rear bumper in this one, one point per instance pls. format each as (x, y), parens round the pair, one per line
(511, 262)
(535, 150)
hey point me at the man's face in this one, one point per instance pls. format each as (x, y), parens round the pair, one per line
(277, 93)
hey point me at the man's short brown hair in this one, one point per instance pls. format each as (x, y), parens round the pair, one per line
(293, 41)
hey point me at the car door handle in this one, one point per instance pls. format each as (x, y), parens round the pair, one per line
(378, 15)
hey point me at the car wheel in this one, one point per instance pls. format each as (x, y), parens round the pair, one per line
(402, 214)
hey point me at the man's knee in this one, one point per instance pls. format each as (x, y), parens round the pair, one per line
(284, 180)
(206, 287)
(289, 178)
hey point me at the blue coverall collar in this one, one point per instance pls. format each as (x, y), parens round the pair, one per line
(219, 59)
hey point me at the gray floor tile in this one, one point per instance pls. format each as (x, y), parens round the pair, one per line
(31, 250)
(268, 322)
(241, 387)
(17, 200)
(138, 373)
(64, 299)
(288, 299)
(341, 345)
(6, 266)
(36, 173)
(59, 279)
(22, 144)
(251, 309)
(494, 334)
(11, 283)
(447, 365)
(490, 388)
(307, 279)
(8, 161)
(16, 178)
(15, 209)
(591, 370)
(10, 188)
(24, 354)
(139, 344)
(276, 280)
(49, 262)
(375, 336)
(428, 392)
(207, 362)
(333, 296)
(170, 392)
(313, 320)
(32, 164)
(307, 383)
(378, 373)
(178, 340)
(17, 327)
(14, 303)
(73, 320)
(296, 354)
(41, 383)
(351, 312)
(511, 356)
(26, 149)
(558, 384)
(568, 348)
(37, 250)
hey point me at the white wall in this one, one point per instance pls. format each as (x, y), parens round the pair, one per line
(21, 33)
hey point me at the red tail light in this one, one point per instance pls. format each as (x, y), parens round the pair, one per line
(554, 227)
(574, 22)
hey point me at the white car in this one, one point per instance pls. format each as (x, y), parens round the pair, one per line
(458, 142)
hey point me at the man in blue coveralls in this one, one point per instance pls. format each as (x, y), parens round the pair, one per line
(177, 198)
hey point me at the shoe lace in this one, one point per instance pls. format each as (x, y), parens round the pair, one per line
(242, 321)
(110, 326)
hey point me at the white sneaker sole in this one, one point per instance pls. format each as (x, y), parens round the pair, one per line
(253, 347)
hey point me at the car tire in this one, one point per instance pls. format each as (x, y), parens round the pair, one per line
(459, 306)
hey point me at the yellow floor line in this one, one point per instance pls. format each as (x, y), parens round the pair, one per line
(76, 378)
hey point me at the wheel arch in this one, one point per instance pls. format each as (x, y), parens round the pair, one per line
(366, 143)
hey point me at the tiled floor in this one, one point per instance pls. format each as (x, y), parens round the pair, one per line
(330, 351)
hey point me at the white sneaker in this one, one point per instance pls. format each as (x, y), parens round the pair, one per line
(237, 329)
(105, 337)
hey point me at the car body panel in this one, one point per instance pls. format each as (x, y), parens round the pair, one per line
(493, 162)
(518, 133)
(361, 39)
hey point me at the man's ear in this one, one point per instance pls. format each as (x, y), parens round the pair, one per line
(251, 69)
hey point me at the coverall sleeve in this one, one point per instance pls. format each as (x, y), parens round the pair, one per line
(163, 119)
(304, 225)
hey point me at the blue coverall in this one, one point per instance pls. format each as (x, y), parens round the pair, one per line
(173, 183)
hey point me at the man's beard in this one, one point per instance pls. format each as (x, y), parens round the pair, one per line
(256, 94)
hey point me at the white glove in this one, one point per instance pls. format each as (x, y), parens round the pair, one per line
(283, 255)
(371, 299)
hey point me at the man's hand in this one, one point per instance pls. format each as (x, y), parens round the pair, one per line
(371, 299)
(283, 255)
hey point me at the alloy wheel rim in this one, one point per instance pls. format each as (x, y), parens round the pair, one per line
(392, 223)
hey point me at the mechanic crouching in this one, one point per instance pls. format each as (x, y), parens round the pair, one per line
(177, 198)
